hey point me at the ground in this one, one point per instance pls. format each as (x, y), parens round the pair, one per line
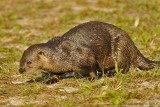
(27, 22)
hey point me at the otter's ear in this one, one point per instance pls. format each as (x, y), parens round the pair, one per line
(40, 53)
(42, 56)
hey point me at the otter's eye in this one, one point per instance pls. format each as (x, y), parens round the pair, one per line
(29, 62)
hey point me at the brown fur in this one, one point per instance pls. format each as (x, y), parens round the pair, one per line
(91, 46)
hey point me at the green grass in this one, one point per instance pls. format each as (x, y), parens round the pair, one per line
(23, 23)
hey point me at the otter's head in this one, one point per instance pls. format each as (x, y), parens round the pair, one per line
(32, 58)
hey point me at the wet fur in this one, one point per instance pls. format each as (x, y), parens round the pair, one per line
(90, 46)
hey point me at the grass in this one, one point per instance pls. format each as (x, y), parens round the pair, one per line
(23, 23)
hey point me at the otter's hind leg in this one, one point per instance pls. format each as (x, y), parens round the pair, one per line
(121, 54)
(123, 62)
(93, 73)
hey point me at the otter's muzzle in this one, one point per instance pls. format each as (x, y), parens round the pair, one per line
(21, 70)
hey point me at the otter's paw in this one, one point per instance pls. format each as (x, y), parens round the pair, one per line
(51, 81)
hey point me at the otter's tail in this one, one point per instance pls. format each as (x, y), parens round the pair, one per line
(146, 64)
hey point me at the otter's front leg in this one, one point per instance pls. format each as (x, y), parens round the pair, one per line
(54, 77)
(47, 78)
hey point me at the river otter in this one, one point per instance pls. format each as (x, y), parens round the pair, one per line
(89, 46)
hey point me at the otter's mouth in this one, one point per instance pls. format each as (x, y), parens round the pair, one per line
(21, 70)
(28, 71)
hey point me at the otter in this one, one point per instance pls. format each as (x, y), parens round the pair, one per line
(90, 46)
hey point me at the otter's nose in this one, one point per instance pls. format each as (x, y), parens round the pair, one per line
(21, 70)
